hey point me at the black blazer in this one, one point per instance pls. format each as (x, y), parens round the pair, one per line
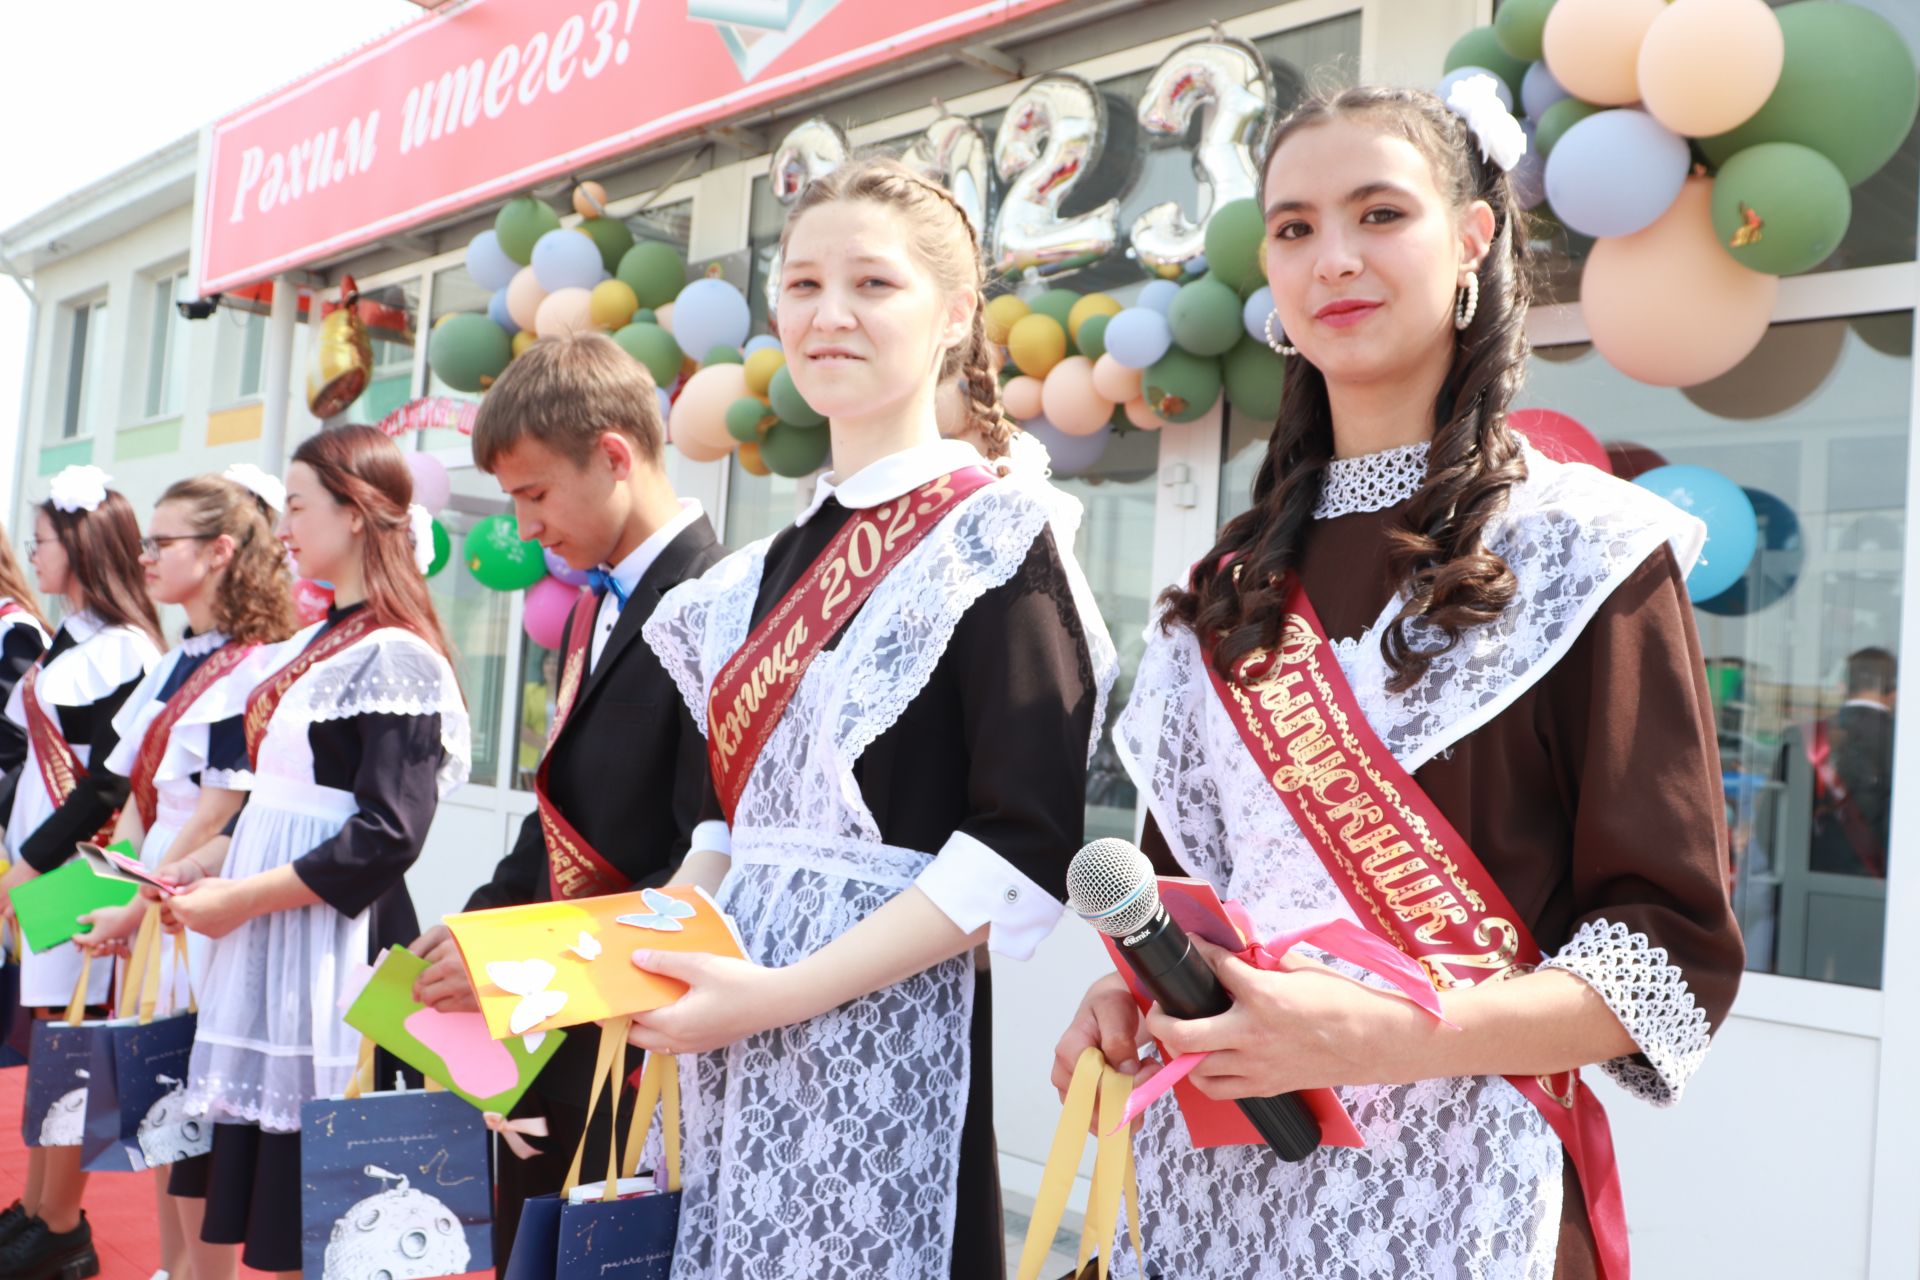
(629, 769)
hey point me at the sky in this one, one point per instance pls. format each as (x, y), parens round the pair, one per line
(91, 88)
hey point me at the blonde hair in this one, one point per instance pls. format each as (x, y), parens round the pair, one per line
(943, 239)
(564, 392)
(254, 602)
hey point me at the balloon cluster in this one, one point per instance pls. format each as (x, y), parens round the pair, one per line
(1708, 146)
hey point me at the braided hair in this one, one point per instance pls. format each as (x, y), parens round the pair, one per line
(947, 243)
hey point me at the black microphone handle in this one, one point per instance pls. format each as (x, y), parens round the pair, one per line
(1183, 982)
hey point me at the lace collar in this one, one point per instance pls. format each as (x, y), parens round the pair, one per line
(1372, 481)
(199, 646)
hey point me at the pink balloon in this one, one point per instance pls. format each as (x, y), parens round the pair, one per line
(1021, 396)
(1560, 437)
(564, 311)
(698, 424)
(1141, 415)
(1707, 65)
(1068, 399)
(311, 600)
(431, 486)
(544, 614)
(1115, 381)
(524, 296)
(1592, 47)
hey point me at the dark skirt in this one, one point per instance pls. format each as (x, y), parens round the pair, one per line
(251, 1183)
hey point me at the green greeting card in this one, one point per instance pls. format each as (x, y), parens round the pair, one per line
(455, 1049)
(50, 906)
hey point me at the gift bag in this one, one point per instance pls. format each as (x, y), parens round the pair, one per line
(395, 1184)
(1113, 1179)
(623, 1228)
(58, 1066)
(136, 1115)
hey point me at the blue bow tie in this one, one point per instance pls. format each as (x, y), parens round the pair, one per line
(602, 582)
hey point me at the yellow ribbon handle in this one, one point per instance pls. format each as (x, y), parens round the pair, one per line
(611, 1058)
(1094, 1082)
(362, 1081)
(134, 972)
(150, 977)
(659, 1085)
(77, 1007)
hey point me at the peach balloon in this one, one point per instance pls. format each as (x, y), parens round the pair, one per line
(698, 423)
(1141, 415)
(1021, 396)
(1068, 399)
(1593, 47)
(1707, 65)
(564, 311)
(524, 296)
(1115, 381)
(1668, 306)
(663, 316)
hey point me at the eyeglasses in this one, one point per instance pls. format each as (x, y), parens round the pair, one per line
(154, 546)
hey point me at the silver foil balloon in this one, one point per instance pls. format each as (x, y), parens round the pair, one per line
(1226, 83)
(812, 149)
(953, 152)
(1048, 141)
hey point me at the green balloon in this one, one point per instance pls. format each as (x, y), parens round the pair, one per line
(654, 271)
(1518, 26)
(1556, 120)
(1182, 386)
(1057, 303)
(724, 355)
(1205, 317)
(611, 237)
(1234, 233)
(1093, 336)
(497, 557)
(794, 451)
(744, 417)
(645, 315)
(1847, 89)
(442, 548)
(791, 406)
(655, 348)
(520, 222)
(1800, 199)
(468, 351)
(1253, 377)
(1480, 48)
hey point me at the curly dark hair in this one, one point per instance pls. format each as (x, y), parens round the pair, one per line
(254, 602)
(1452, 580)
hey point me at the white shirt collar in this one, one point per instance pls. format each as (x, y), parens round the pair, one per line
(197, 646)
(1865, 702)
(893, 475)
(634, 567)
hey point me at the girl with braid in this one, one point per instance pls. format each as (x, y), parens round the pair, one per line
(899, 694)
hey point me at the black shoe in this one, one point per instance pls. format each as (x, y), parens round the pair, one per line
(39, 1254)
(13, 1220)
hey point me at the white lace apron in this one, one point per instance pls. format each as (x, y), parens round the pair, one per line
(830, 1148)
(271, 1034)
(1460, 1177)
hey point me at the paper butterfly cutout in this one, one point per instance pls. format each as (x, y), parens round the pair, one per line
(528, 979)
(663, 913)
(588, 948)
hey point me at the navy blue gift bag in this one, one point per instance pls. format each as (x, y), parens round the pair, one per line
(136, 1095)
(57, 1070)
(623, 1228)
(395, 1184)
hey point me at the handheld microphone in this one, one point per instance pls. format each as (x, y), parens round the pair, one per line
(1111, 885)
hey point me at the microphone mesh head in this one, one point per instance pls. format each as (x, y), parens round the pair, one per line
(1110, 885)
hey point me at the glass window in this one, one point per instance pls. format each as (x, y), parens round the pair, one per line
(757, 505)
(167, 348)
(539, 685)
(1802, 653)
(239, 354)
(477, 620)
(86, 403)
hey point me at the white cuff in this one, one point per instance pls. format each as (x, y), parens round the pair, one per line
(715, 836)
(973, 886)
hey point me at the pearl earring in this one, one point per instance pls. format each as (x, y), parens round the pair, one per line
(1468, 301)
(1279, 342)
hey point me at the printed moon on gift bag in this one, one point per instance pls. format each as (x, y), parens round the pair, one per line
(396, 1233)
(66, 1120)
(167, 1133)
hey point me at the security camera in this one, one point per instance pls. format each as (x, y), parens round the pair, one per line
(198, 308)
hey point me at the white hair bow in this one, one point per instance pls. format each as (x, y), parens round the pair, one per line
(1476, 99)
(268, 488)
(420, 528)
(81, 487)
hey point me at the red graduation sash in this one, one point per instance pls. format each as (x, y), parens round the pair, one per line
(146, 796)
(753, 689)
(60, 769)
(1404, 870)
(266, 696)
(574, 868)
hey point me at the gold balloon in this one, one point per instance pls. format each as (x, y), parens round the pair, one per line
(751, 461)
(341, 361)
(524, 339)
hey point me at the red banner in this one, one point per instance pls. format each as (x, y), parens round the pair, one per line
(480, 102)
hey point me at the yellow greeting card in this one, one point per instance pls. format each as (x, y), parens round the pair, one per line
(559, 964)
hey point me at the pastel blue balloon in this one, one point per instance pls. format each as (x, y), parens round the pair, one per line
(565, 259)
(710, 313)
(1196, 265)
(1733, 531)
(1776, 567)
(1616, 172)
(1137, 336)
(666, 402)
(1158, 295)
(488, 263)
(765, 342)
(498, 313)
(1539, 90)
(560, 569)
(1254, 314)
(1458, 74)
(1069, 455)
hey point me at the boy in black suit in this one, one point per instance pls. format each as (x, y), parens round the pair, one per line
(572, 432)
